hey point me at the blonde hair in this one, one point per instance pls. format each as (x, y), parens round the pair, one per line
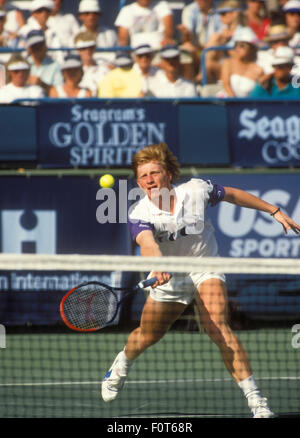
(85, 36)
(159, 153)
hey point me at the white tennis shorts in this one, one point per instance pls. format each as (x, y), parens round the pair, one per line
(182, 288)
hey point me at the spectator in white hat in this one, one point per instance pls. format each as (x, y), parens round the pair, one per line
(14, 19)
(89, 14)
(143, 57)
(145, 22)
(278, 35)
(167, 82)
(281, 83)
(17, 87)
(240, 72)
(44, 71)
(40, 13)
(93, 72)
(72, 71)
(291, 11)
(65, 25)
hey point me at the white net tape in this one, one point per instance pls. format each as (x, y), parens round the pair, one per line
(70, 262)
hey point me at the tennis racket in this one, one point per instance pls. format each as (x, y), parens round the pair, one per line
(92, 306)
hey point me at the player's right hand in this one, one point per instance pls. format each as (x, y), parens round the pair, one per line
(162, 278)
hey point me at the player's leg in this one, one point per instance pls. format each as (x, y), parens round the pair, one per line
(213, 306)
(157, 317)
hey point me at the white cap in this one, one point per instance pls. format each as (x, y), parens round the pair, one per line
(89, 6)
(143, 49)
(292, 6)
(38, 4)
(71, 61)
(18, 65)
(283, 55)
(169, 51)
(123, 59)
(34, 37)
(245, 35)
(81, 44)
(84, 40)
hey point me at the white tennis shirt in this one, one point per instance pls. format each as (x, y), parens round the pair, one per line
(159, 85)
(186, 232)
(144, 24)
(10, 92)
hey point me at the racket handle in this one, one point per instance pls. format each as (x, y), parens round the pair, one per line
(147, 283)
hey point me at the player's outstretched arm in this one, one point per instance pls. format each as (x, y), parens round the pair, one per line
(149, 248)
(245, 199)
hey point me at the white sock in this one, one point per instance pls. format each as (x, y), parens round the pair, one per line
(249, 387)
(124, 362)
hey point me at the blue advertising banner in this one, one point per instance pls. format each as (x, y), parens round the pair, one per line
(242, 232)
(53, 215)
(264, 134)
(102, 133)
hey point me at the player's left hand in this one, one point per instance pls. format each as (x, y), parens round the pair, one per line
(286, 222)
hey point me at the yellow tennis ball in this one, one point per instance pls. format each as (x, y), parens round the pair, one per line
(107, 181)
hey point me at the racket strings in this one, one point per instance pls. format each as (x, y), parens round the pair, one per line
(89, 307)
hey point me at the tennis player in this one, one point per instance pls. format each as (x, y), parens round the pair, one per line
(171, 220)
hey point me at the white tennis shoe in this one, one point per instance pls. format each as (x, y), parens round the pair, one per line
(259, 408)
(114, 380)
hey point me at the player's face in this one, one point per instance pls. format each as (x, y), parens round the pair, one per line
(152, 177)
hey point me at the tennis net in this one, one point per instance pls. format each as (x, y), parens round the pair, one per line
(50, 371)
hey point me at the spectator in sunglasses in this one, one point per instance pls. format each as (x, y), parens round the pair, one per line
(17, 87)
(240, 72)
(40, 13)
(144, 55)
(72, 72)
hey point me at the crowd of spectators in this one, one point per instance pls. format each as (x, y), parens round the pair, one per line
(225, 48)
